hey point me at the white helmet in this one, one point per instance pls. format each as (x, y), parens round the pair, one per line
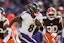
(2, 10)
(51, 12)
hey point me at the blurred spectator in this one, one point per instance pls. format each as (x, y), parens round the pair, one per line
(61, 11)
(61, 2)
(42, 9)
(5, 5)
(46, 4)
(51, 5)
(25, 7)
(11, 8)
(14, 6)
(55, 3)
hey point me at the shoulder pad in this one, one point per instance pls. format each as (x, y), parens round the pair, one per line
(23, 12)
(58, 17)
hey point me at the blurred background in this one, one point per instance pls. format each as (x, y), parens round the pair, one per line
(16, 7)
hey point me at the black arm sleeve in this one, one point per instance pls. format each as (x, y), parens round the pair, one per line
(41, 28)
(17, 19)
(60, 29)
(5, 26)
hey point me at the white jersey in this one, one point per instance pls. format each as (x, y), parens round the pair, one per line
(28, 24)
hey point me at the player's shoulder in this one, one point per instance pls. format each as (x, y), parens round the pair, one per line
(58, 17)
(24, 13)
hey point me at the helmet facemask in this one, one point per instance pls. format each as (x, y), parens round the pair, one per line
(33, 8)
(51, 13)
(51, 16)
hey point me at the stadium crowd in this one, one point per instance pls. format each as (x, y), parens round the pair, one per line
(17, 6)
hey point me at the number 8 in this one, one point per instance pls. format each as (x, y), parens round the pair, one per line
(31, 28)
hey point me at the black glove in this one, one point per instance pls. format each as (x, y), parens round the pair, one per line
(59, 32)
(2, 42)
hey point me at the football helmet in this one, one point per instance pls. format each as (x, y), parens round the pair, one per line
(32, 8)
(2, 10)
(51, 12)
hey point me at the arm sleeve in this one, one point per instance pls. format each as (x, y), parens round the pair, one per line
(6, 23)
(8, 36)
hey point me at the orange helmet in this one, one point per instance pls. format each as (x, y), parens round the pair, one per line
(51, 12)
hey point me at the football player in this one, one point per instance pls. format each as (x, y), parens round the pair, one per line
(30, 19)
(5, 33)
(53, 24)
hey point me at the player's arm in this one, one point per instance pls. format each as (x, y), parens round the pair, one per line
(6, 23)
(39, 24)
(60, 19)
(61, 25)
(17, 19)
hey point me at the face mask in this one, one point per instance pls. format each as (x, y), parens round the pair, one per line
(36, 14)
(51, 18)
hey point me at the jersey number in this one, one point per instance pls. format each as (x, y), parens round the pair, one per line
(52, 28)
(30, 29)
(1, 30)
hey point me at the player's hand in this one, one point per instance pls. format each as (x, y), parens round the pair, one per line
(61, 20)
(37, 22)
(59, 32)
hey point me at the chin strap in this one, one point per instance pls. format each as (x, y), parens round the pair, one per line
(51, 18)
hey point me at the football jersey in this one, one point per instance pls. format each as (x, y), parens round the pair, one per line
(52, 25)
(1, 27)
(28, 24)
(1, 23)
